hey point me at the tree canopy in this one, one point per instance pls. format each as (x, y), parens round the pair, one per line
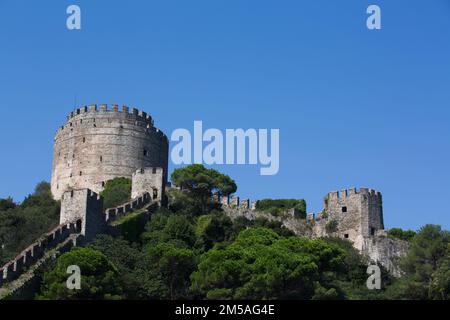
(116, 192)
(201, 182)
(99, 277)
(21, 224)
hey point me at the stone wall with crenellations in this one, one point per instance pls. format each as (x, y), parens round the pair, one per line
(98, 144)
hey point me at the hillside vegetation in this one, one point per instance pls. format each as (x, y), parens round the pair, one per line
(192, 250)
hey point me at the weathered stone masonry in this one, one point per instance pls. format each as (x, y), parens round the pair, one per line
(94, 146)
(97, 144)
(357, 215)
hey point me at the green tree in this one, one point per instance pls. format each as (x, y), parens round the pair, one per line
(99, 278)
(278, 206)
(162, 272)
(440, 285)
(398, 233)
(421, 265)
(169, 228)
(212, 229)
(116, 192)
(260, 264)
(6, 204)
(179, 228)
(22, 224)
(201, 182)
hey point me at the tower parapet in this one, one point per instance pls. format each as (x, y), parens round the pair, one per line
(357, 214)
(149, 180)
(99, 143)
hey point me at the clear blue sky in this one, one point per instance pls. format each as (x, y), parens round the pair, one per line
(354, 107)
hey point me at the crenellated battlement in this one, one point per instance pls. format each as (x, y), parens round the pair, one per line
(35, 251)
(112, 214)
(234, 202)
(346, 193)
(113, 108)
(138, 118)
(100, 142)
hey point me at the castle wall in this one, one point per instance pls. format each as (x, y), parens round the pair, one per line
(148, 180)
(357, 214)
(386, 251)
(35, 251)
(84, 205)
(97, 145)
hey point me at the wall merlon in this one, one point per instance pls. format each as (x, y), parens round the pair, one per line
(225, 201)
(234, 201)
(18, 265)
(364, 190)
(143, 114)
(245, 204)
(333, 195)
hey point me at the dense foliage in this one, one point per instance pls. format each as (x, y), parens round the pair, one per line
(398, 233)
(116, 192)
(277, 206)
(200, 183)
(426, 267)
(21, 224)
(99, 278)
(183, 252)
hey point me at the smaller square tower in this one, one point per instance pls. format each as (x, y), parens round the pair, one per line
(151, 180)
(358, 213)
(84, 205)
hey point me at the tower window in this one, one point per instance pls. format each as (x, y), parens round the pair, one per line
(372, 231)
(344, 209)
(81, 173)
(103, 183)
(346, 236)
(154, 170)
(84, 140)
(101, 158)
(145, 153)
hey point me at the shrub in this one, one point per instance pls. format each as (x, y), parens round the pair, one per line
(331, 226)
(116, 192)
(398, 233)
(277, 206)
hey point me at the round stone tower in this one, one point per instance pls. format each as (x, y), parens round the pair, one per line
(97, 144)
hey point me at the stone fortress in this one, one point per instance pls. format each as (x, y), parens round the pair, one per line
(96, 145)
(99, 144)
